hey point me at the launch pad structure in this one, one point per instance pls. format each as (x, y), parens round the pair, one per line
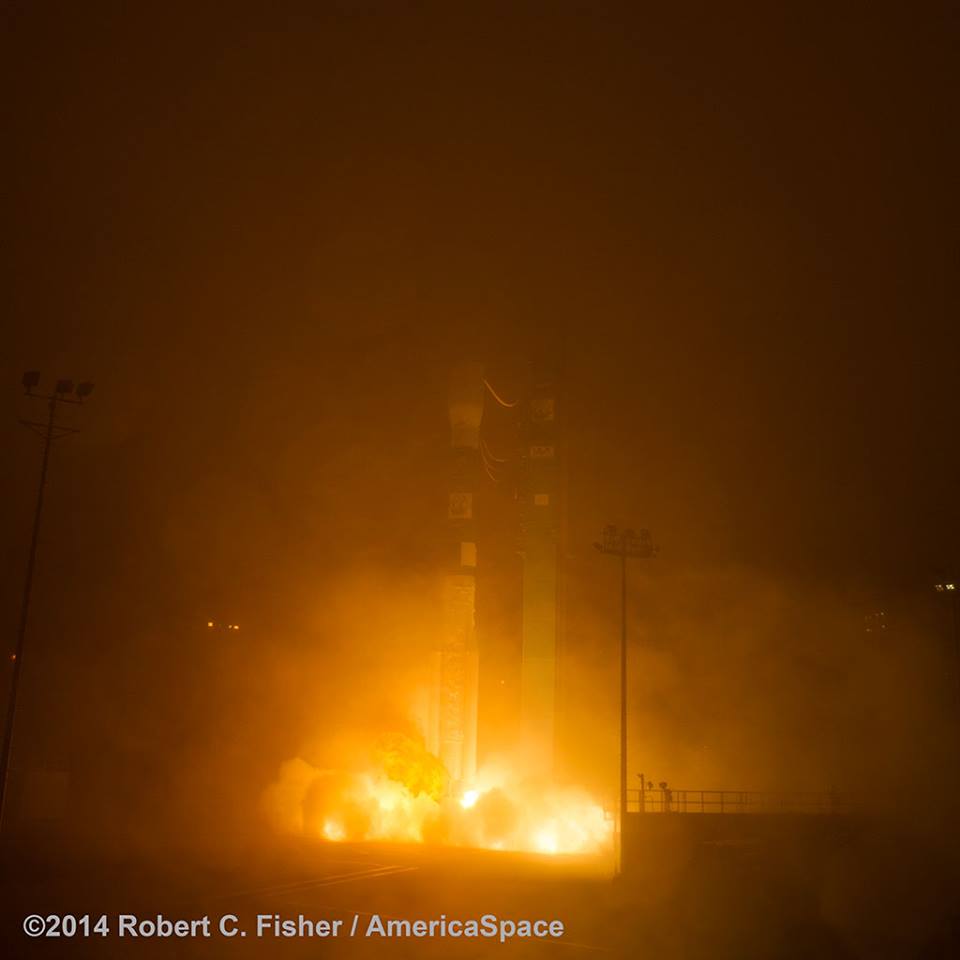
(452, 721)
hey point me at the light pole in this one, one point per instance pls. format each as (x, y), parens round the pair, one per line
(624, 544)
(49, 431)
(948, 586)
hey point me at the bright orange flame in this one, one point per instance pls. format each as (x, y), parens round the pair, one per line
(546, 841)
(333, 830)
(403, 796)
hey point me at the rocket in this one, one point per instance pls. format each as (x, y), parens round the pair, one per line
(451, 727)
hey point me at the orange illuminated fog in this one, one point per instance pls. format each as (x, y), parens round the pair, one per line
(401, 793)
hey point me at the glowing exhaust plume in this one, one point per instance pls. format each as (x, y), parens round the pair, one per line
(403, 797)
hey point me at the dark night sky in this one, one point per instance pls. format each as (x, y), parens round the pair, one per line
(264, 233)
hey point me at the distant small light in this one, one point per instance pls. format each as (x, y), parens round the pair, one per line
(13, 657)
(209, 623)
(951, 586)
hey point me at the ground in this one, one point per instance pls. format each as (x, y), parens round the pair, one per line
(723, 901)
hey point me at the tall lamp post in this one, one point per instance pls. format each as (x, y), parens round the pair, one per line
(948, 586)
(626, 545)
(49, 430)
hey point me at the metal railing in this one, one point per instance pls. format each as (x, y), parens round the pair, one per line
(660, 800)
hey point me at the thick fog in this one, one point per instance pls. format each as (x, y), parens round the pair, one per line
(267, 245)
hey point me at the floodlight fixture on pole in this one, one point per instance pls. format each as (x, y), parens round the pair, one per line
(49, 430)
(947, 585)
(627, 545)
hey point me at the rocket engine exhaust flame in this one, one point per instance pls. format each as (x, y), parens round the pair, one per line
(403, 796)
